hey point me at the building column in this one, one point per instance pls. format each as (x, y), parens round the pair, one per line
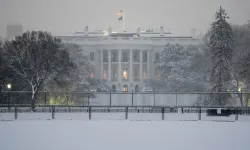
(119, 65)
(141, 74)
(131, 66)
(152, 62)
(109, 65)
(101, 65)
(148, 65)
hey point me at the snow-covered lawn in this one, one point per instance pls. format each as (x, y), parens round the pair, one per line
(123, 135)
(119, 116)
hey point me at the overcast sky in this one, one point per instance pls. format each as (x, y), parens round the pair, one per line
(63, 17)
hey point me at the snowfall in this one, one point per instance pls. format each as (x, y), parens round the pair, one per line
(107, 131)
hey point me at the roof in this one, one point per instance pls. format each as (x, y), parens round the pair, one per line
(124, 34)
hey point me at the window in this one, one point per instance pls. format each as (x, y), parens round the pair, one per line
(136, 88)
(157, 56)
(92, 75)
(114, 56)
(114, 74)
(125, 74)
(104, 75)
(125, 88)
(125, 56)
(136, 56)
(113, 88)
(144, 57)
(105, 56)
(136, 74)
(92, 56)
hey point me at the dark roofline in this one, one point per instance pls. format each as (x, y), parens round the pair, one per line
(154, 33)
(89, 33)
(184, 37)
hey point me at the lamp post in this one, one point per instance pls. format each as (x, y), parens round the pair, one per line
(240, 91)
(9, 88)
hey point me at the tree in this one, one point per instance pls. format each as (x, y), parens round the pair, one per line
(176, 68)
(78, 80)
(36, 57)
(221, 45)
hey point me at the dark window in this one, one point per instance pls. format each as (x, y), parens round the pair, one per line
(113, 88)
(136, 88)
(144, 57)
(105, 56)
(136, 56)
(125, 56)
(114, 56)
(92, 56)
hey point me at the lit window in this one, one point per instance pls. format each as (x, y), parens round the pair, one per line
(104, 75)
(125, 88)
(92, 75)
(125, 74)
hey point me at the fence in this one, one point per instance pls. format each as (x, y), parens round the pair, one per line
(156, 112)
(155, 98)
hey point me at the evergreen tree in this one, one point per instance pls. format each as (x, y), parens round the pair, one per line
(221, 44)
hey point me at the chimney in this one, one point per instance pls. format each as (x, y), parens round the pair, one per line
(86, 31)
(161, 31)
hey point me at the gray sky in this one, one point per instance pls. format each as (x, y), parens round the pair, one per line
(63, 17)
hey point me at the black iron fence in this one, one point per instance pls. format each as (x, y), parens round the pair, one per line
(149, 98)
(161, 111)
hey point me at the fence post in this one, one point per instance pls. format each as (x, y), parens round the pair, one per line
(53, 112)
(176, 97)
(110, 98)
(126, 113)
(132, 98)
(16, 113)
(88, 97)
(154, 97)
(8, 102)
(162, 113)
(236, 115)
(67, 97)
(89, 112)
(45, 101)
(199, 114)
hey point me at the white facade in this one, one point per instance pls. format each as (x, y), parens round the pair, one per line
(125, 61)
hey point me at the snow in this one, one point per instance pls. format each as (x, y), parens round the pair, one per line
(120, 116)
(123, 135)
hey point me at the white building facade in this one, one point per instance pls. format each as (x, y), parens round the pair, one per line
(125, 61)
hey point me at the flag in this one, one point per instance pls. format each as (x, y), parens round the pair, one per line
(120, 18)
(120, 13)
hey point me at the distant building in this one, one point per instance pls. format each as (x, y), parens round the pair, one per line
(13, 30)
(125, 61)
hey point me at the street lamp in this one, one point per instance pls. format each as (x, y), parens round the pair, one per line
(9, 88)
(240, 91)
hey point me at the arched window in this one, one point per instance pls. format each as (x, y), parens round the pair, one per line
(136, 88)
(113, 88)
(125, 88)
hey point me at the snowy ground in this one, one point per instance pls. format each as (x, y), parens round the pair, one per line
(123, 135)
(120, 116)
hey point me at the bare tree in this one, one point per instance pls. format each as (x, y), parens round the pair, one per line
(36, 57)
